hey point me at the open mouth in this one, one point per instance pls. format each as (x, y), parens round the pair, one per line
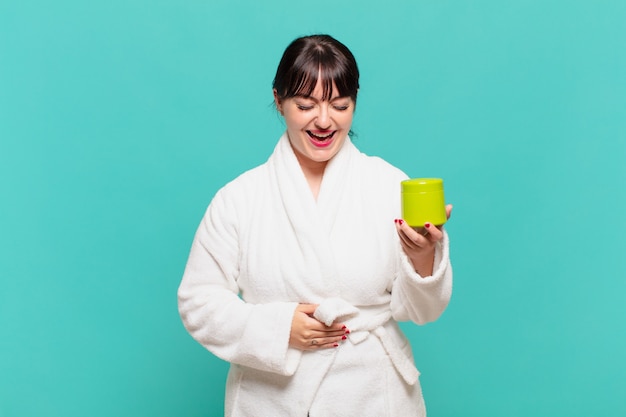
(321, 139)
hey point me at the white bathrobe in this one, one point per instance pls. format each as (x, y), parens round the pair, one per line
(265, 245)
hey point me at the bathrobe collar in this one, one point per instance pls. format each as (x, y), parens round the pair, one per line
(311, 220)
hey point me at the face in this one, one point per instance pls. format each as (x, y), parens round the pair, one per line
(316, 128)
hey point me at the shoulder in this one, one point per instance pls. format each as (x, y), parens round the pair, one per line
(379, 181)
(380, 170)
(243, 186)
(246, 180)
(233, 200)
(237, 196)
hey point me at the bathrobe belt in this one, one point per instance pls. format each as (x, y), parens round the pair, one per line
(362, 322)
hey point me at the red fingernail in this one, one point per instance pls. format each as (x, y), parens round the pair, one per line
(395, 220)
(347, 331)
(401, 221)
(343, 327)
(344, 337)
(427, 225)
(335, 345)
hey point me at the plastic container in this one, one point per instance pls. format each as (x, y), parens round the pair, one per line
(423, 201)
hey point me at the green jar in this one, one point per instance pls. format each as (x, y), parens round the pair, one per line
(423, 201)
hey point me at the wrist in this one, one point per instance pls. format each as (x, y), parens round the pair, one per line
(423, 262)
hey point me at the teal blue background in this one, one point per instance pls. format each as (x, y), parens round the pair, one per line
(120, 119)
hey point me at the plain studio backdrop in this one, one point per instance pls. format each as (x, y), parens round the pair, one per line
(119, 120)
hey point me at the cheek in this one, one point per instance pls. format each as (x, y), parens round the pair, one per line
(294, 122)
(346, 119)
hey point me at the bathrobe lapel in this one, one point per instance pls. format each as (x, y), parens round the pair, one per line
(312, 221)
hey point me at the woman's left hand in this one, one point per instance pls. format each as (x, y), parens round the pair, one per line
(419, 243)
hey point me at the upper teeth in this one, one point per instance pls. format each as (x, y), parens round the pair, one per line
(322, 137)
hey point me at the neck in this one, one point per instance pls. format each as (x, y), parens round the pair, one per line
(313, 172)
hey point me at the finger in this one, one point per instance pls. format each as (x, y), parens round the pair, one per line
(406, 242)
(434, 234)
(404, 239)
(320, 329)
(409, 235)
(315, 328)
(308, 309)
(335, 329)
(323, 334)
(321, 337)
(325, 342)
(449, 210)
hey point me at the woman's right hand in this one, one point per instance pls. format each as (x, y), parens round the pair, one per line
(307, 333)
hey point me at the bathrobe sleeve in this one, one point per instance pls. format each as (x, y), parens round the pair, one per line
(413, 297)
(254, 335)
(422, 299)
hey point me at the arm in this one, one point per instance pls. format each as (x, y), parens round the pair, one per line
(254, 335)
(423, 287)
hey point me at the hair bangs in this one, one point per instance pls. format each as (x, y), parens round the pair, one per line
(325, 68)
(314, 59)
(337, 76)
(305, 76)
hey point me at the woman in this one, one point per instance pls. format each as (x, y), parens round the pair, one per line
(297, 275)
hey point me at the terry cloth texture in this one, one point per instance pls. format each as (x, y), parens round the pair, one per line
(265, 245)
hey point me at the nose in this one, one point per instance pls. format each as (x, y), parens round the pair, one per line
(323, 118)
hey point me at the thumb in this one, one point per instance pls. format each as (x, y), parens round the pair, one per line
(448, 210)
(308, 309)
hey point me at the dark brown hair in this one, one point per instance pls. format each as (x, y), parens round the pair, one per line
(310, 57)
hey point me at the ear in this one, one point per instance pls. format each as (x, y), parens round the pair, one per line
(278, 102)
